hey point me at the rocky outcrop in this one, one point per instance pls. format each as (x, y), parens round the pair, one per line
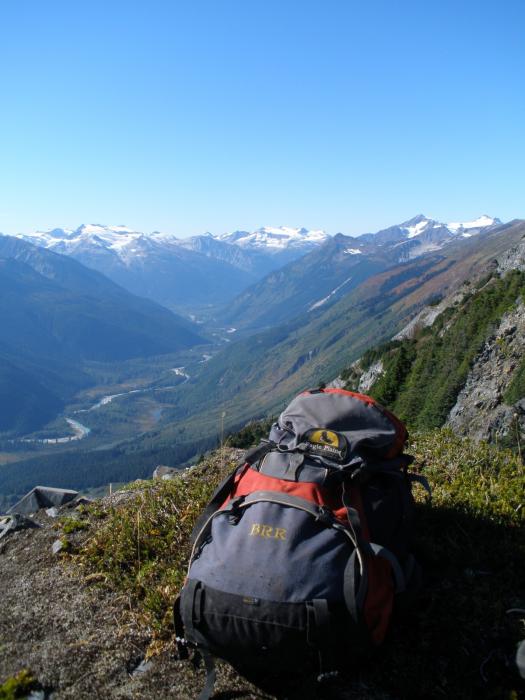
(513, 259)
(370, 377)
(428, 315)
(479, 410)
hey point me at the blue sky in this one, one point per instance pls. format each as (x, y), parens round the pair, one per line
(222, 114)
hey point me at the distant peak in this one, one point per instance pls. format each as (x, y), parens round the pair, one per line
(420, 218)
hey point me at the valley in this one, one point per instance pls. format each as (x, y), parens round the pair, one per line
(297, 327)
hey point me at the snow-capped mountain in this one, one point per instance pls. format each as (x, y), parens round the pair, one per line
(276, 239)
(128, 244)
(185, 273)
(421, 235)
(342, 263)
(121, 241)
(181, 273)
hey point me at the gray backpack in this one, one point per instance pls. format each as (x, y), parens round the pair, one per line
(301, 553)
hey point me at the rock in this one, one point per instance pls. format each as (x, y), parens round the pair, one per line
(52, 512)
(480, 410)
(520, 406)
(370, 376)
(58, 546)
(142, 667)
(15, 522)
(162, 472)
(336, 383)
(42, 497)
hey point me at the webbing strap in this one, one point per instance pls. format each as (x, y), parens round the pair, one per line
(211, 675)
(179, 630)
(354, 595)
(355, 522)
(224, 489)
(191, 610)
(320, 634)
(399, 576)
(420, 479)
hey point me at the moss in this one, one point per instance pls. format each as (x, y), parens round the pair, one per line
(18, 686)
(70, 525)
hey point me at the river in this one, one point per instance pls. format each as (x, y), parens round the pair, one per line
(81, 431)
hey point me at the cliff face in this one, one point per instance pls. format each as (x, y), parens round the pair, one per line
(481, 409)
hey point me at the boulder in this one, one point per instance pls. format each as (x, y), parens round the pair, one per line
(15, 522)
(163, 472)
(42, 497)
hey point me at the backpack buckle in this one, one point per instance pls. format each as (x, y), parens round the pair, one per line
(325, 515)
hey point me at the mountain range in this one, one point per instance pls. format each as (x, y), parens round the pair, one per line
(182, 274)
(188, 274)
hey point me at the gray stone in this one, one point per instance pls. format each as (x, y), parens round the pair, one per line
(57, 546)
(142, 667)
(42, 497)
(480, 411)
(15, 522)
(52, 512)
(370, 376)
(520, 406)
(162, 471)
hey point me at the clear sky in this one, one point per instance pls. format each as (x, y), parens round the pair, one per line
(193, 115)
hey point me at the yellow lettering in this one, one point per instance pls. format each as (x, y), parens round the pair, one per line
(268, 532)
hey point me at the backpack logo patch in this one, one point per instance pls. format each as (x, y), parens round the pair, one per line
(327, 443)
(268, 532)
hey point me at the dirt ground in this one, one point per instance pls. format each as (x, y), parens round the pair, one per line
(76, 639)
(80, 643)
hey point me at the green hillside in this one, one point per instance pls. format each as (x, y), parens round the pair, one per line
(423, 375)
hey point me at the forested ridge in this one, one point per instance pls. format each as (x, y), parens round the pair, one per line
(422, 375)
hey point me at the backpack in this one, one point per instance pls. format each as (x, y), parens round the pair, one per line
(300, 555)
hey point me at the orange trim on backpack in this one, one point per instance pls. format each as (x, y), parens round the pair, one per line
(251, 480)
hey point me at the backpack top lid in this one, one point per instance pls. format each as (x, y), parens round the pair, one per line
(339, 425)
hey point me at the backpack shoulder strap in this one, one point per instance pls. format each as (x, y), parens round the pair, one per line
(224, 489)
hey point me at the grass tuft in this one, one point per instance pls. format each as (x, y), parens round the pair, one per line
(18, 686)
(141, 546)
